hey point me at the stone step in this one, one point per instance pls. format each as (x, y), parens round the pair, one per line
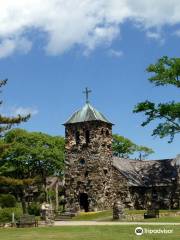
(62, 218)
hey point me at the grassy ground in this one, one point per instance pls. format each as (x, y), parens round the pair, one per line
(125, 232)
(143, 211)
(93, 216)
(169, 219)
(107, 216)
(86, 233)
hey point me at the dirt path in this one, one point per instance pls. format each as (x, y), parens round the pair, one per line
(94, 223)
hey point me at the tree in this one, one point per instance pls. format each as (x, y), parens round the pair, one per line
(143, 151)
(30, 159)
(6, 123)
(123, 147)
(166, 72)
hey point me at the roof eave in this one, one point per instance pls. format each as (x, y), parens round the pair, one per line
(69, 123)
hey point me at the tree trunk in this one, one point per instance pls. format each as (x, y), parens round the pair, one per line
(24, 208)
(23, 201)
(57, 193)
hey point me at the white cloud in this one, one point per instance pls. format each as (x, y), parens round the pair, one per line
(85, 23)
(155, 35)
(23, 111)
(9, 46)
(115, 53)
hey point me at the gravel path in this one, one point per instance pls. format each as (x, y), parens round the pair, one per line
(94, 223)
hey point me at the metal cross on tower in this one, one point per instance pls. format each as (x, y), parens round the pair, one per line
(87, 91)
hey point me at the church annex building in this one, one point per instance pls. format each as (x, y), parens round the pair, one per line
(95, 179)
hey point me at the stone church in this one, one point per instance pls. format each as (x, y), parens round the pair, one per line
(95, 179)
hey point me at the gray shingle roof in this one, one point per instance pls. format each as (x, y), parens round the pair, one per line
(87, 113)
(147, 172)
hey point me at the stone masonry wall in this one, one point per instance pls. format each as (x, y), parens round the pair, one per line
(88, 166)
(120, 189)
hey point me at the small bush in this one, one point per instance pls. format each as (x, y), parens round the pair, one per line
(6, 214)
(7, 201)
(34, 209)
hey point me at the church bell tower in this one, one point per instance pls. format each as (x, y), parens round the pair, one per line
(88, 158)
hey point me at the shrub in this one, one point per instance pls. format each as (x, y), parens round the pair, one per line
(34, 209)
(6, 214)
(7, 201)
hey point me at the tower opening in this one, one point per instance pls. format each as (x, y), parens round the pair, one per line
(84, 204)
(77, 136)
(107, 133)
(87, 135)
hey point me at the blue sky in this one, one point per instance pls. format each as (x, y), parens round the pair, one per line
(47, 73)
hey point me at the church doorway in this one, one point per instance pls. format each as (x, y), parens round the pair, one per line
(84, 204)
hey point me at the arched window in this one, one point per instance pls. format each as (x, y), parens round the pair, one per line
(66, 133)
(77, 136)
(102, 131)
(107, 132)
(87, 135)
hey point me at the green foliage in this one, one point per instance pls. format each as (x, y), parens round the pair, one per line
(166, 71)
(34, 209)
(30, 158)
(33, 154)
(51, 194)
(123, 147)
(7, 200)
(6, 214)
(143, 151)
(7, 122)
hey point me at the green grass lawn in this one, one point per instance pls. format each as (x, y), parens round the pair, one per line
(93, 216)
(86, 233)
(107, 216)
(124, 232)
(175, 219)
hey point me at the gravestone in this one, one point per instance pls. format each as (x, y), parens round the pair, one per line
(118, 211)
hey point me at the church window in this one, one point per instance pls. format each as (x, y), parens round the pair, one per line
(66, 133)
(82, 161)
(86, 174)
(87, 136)
(107, 133)
(77, 136)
